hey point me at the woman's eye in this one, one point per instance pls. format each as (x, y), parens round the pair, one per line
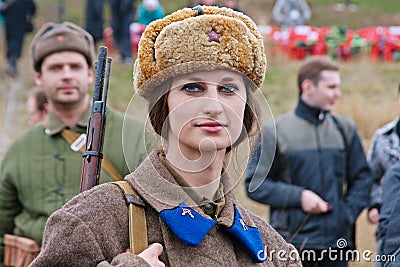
(228, 88)
(192, 87)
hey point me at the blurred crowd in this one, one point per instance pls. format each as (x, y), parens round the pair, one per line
(290, 31)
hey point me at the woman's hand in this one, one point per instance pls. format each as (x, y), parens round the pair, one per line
(151, 254)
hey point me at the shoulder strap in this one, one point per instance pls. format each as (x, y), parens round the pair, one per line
(341, 130)
(107, 165)
(346, 129)
(339, 126)
(137, 218)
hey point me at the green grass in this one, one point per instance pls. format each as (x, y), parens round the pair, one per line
(381, 6)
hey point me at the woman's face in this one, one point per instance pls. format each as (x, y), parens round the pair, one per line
(206, 110)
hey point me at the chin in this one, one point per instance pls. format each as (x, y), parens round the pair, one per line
(214, 146)
(328, 108)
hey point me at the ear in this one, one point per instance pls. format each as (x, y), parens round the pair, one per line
(306, 86)
(38, 78)
(46, 108)
(91, 76)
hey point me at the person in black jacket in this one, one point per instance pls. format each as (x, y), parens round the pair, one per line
(18, 16)
(391, 245)
(388, 232)
(310, 167)
(94, 19)
(121, 17)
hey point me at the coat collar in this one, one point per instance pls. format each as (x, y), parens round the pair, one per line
(155, 184)
(389, 128)
(162, 192)
(54, 125)
(312, 114)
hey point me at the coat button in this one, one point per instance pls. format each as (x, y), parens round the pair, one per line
(209, 208)
(58, 155)
(58, 190)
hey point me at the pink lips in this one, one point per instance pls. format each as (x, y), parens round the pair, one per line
(211, 127)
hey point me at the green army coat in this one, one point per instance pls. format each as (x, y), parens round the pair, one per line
(40, 172)
(92, 229)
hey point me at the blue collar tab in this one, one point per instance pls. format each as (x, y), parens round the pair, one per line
(187, 224)
(190, 227)
(249, 237)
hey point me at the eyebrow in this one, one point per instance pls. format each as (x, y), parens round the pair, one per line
(70, 63)
(198, 79)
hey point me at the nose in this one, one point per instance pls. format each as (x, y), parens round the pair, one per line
(212, 105)
(67, 72)
(338, 92)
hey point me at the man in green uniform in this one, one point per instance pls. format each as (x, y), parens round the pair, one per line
(40, 171)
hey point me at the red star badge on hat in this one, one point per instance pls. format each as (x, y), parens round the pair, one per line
(214, 37)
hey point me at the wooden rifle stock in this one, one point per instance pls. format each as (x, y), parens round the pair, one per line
(93, 154)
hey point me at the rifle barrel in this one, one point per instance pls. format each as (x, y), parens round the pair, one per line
(93, 155)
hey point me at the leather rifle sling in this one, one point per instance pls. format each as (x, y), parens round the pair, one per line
(106, 165)
(137, 218)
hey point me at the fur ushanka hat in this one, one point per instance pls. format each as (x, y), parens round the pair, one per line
(199, 39)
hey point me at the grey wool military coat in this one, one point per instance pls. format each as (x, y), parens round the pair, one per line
(92, 229)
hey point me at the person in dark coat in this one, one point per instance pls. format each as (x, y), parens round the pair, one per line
(18, 16)
(391, 246)
(388, 232)
(383, 155)
(310, 167)
(121, 17)
(94, 19)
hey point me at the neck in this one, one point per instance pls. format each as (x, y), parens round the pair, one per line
(70, 114)
(203, 173)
